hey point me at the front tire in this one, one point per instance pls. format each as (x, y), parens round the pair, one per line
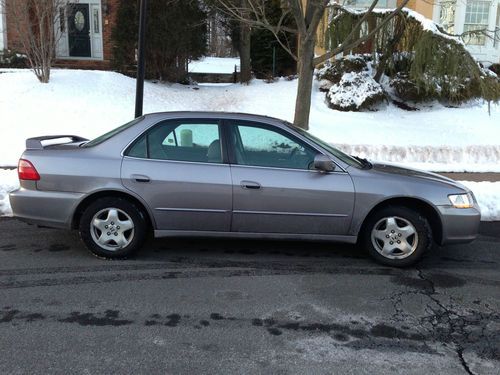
(113, 228)
(397, 236)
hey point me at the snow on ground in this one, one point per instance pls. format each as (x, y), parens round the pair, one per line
(8, 182)
(488, 197)
(214, 65)
(89, 103)
(487, 194)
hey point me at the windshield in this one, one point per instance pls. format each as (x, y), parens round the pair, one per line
(348, 159)
(112, 133)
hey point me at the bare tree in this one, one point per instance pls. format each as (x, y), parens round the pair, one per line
(308, 15)
(36, 26)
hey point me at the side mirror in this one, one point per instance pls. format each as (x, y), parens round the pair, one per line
(323, 163)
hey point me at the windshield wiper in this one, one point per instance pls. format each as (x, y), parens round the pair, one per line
(366, 164)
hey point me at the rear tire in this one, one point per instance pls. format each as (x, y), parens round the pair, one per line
(113, 228)
(397, 236)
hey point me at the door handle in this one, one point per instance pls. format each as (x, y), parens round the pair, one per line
(250, 185)
(140, 178)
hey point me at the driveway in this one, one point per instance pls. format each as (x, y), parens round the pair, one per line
(245, 307)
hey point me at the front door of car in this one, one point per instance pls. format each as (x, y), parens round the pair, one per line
(178, 168)
(277, 190)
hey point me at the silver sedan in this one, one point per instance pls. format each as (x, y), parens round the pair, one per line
(234, 175)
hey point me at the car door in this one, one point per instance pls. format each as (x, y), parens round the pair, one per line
(178, 168)
(276, 189)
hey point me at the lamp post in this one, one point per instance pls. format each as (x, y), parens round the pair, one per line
(139, 93)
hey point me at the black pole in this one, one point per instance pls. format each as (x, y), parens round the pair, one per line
(139, 93)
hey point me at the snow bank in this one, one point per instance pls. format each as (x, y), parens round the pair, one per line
(488, 197)
(8, 183)
(89, 103)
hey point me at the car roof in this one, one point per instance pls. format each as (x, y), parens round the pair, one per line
(214, 115)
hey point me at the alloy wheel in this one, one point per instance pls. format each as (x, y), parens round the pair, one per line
(112, 229)
(394, 237)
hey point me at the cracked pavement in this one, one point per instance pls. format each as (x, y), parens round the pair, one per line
(224, 306)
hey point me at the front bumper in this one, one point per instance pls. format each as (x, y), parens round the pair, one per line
(46, 208)
(460, 225)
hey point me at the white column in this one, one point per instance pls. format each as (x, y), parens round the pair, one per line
(492, 23)
(460, 16)
(436, 11)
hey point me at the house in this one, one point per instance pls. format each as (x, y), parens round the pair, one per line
(458, 17)
(463, 16)
(83, 32)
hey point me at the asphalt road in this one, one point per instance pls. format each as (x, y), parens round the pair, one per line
(243, 307)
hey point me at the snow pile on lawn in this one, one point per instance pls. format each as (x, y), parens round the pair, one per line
(89, 103)
(488, 197)
(354, 91)
(214, 65)
(8, 183)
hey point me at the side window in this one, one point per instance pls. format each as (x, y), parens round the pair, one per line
(268, 148)
(195, 142)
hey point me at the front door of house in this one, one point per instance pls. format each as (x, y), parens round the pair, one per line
(79, 30)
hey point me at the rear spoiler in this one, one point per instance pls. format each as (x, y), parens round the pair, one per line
(36, 143)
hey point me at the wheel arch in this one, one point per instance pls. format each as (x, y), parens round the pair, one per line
(426, 209)
(84, 203)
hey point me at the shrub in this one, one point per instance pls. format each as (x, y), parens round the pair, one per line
(422, 61)
(175, 34)
(354, 92)
(338, 68)
(406, 90)
(12, 59)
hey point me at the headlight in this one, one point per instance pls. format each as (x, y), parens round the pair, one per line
(461, 200)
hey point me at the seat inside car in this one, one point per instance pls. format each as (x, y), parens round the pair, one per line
(214, 154)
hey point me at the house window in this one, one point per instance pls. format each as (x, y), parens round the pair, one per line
(95, 15)
(476, 22)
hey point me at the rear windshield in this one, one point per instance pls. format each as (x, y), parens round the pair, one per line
(112, 133)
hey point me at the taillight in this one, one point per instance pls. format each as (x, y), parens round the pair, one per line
(26, 171)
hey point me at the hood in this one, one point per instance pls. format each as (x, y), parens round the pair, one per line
(415, 173)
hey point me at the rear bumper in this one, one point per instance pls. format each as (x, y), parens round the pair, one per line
(459, 225)
(46, 208)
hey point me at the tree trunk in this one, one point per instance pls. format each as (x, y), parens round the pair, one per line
(245, 64)
(304, 89)
(245, 43)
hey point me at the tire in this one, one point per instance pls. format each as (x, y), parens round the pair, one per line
(397, 236)
(113, 228)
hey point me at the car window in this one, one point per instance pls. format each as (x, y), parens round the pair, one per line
(195, 142)
(112, 133)
(259, 146)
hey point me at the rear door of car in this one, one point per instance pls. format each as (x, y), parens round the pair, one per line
(178, 167)
(276, 189)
